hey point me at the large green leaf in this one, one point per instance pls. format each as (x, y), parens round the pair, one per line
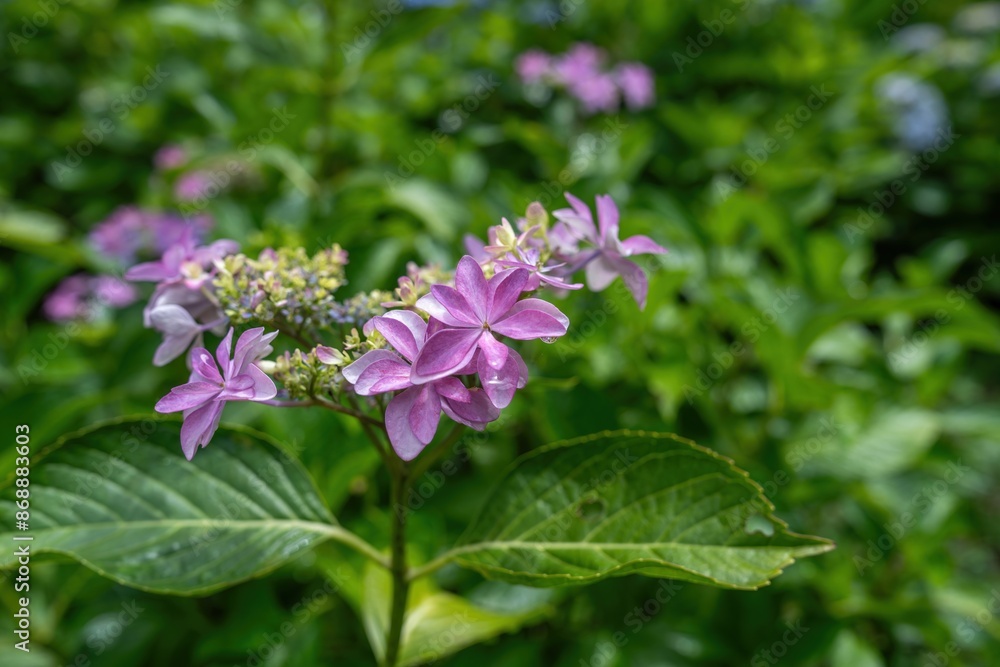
(121, 499)
(630, 502)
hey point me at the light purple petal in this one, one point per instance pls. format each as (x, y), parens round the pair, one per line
(501, 384)
(222, 354)
(149, 271)
(457, 305)
(203, 366)
(635, 280)
(444, 353)
(199, 427)
(187, 396)
(577, 221)
(642, 245)
(382, 375)
(239, 388)
(352, 372)
(397, 424)
(425, 414)
(173, 346)
(172, 319)
(471, 283)
(494, 353)
(437, 311)
(452, 389)
(532, 318)
(264, 388)
(579, 207)
(600, 273)
(506, 288)
(475, 247)
(252, 346)
(478, 412)
(326, 356)
(563, 239)
(206, 254)
(607, 217)
(404, 329)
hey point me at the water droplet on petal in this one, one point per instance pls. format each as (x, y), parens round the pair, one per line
(549, 339)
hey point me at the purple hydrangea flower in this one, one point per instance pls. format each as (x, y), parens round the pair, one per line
(608, 259)
(113, 291)
(214, 381)
(77, 296)
(184, 261)
(68, 301)
(120, 236)
(636, 83)
(596, 93)
(533, 65)
(191, 185)
(179, 329)
(467, 318)
(412, 416)
(582, 61)
(180, 309)
(169, 156)
(129, 231)
(476, 248)
(538, 272)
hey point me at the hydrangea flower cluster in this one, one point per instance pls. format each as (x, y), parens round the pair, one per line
(441, 345)
(183, 305)
(124, 236)
(582, 73)
(287, 286)
(130, 232)
(81, 296)
(216, 380)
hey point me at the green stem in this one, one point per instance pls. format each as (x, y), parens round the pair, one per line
(336, 407)
(397, 565)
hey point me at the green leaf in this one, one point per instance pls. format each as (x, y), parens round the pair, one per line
(437, 623)
(629, 503)
(894, 441)
(121, 499)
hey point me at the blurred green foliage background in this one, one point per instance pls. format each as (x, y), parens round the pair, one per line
(830, 323)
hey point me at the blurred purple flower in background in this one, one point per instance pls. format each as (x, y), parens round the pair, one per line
(192, 185)
(636, 83)
(79, 297)
(596, 93)
(581, 72)
(169, 156)
(533, 66)
(68, 301)
(130, 232)
(582, 61)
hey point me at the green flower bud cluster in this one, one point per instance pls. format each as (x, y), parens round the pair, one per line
(303, 375)
(416, 283)
(283, 286)
(360, 308)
